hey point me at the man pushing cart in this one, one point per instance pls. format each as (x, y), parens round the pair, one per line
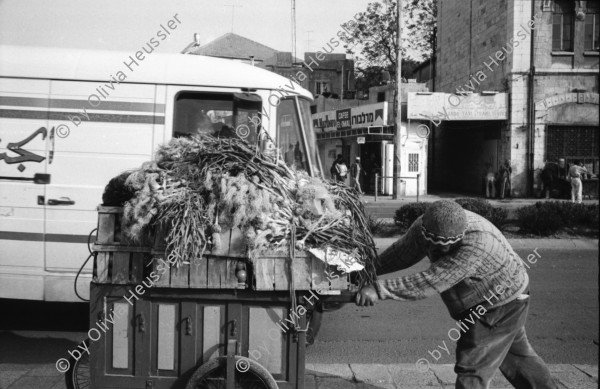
(484, 285)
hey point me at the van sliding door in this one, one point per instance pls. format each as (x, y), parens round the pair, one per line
(108, 135)
(24, 134)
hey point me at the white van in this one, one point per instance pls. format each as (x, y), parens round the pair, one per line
(72, 120)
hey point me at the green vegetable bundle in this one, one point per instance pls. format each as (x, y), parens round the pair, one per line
(199, 187)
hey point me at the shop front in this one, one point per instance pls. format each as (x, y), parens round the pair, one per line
(367, 132)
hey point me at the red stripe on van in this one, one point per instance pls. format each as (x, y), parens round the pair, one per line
(36, 237)
(80, 104)
(93, 117)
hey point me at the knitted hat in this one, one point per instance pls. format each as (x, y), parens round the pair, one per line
(444, 223)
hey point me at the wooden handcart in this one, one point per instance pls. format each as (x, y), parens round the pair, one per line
(218, 322)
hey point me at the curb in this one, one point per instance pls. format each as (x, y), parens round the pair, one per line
(404, 375)
(334, 376)
(556, 244)
(543, 243)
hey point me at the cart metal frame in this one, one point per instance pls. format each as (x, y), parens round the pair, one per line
(156, 335)
(140, 368)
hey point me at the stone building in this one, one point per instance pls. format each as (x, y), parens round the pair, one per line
(323, 74)
(538, 60)
(330, 74)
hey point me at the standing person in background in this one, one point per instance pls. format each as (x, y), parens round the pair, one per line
(371, 167)
(505, 173)
(574, 175)
(562, 168)
(355, 172)
(564, 184)
(490, 182)
(298, 156)
(341, 169)
(548, 173)
(289, 156)
(333, 170)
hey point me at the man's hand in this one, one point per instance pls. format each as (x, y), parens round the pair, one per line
(367, 296)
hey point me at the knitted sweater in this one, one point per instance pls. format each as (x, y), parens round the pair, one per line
(482, 269)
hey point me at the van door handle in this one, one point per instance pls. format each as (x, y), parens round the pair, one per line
(61, 201)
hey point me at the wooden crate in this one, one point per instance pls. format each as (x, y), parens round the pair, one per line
(110, 228)
(267, 273)
(207, 272)
(272, 272)
(214, 270)
(120, 261)
(119, 266)
(233, 244)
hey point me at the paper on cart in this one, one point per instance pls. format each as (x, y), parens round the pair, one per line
(344, 262)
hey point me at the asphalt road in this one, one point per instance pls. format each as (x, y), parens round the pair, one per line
(563, 322)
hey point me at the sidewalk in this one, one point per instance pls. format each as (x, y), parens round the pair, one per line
(331, 376)
(406, 376)
(526, 244)
(385, 206)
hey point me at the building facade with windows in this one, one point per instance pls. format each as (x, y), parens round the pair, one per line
(323, 74)
(539, 59)
(330, 75)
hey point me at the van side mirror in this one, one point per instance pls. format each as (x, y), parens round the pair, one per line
(41, 178)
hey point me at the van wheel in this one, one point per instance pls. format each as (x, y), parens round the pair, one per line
(78, 375)
(249, 374)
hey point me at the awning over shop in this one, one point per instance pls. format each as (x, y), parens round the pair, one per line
(439, 106)
(370, 119)
(378, 132)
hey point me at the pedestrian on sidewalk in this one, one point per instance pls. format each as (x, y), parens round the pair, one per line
(371, 168)
(574, 176)
(549, 171)
(484, 285)
(505, 184)
(564, 184)
(333, 170)
(355, 173)
(490, 182)
(341, 169)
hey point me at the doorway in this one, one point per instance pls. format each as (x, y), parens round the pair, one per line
(371, 161)
(460, 153)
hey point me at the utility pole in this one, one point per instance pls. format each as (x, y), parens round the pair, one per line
(398, 106)
(293, 30)
(342, 87)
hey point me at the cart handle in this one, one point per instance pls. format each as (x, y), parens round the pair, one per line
(346, 296)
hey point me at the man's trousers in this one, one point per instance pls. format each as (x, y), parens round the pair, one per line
(497, 340)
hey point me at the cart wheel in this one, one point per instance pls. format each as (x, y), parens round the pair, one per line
(78, 375)
(249, 374)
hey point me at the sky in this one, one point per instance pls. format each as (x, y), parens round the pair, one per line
(128, 25)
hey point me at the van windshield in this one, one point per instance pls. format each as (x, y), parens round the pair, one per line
(311, 137)
(295, 136)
